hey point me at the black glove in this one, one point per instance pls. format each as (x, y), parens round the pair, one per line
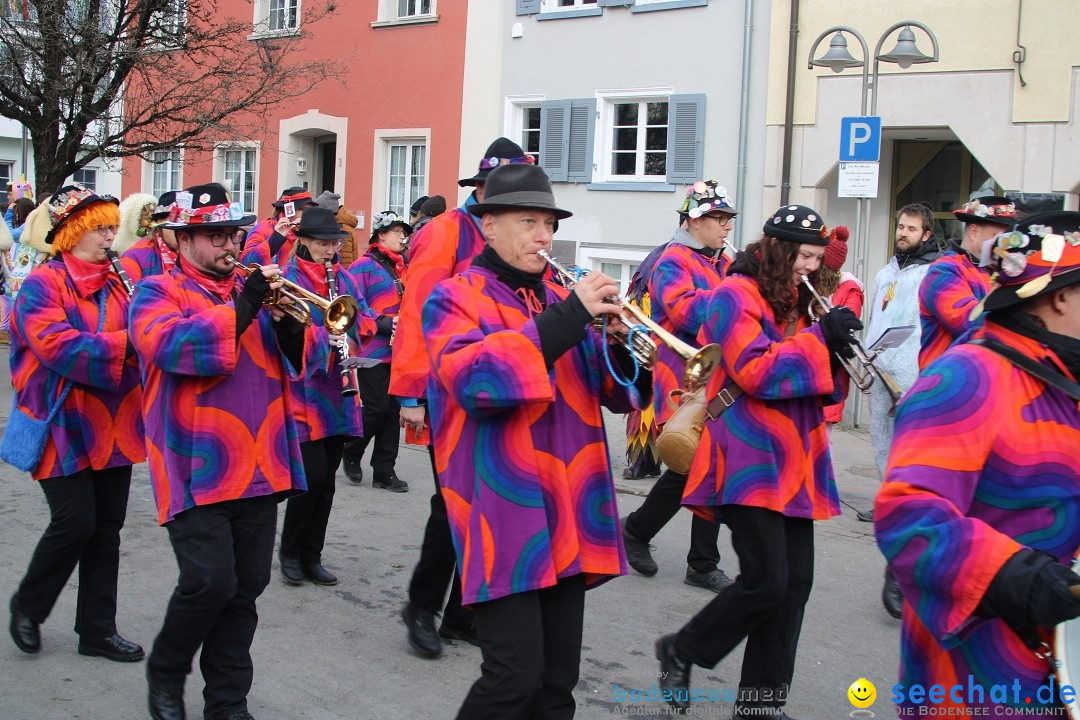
(836, 327)
(1032, 589)
(384, 325)
(256, 288)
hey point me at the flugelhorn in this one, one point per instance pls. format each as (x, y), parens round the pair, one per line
(340, 312)
(701, 363)
(350, 385)
(861, 368)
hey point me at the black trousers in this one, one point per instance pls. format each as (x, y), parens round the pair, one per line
(765, 604)
(224, 552)
(381, 422)
(661, 504)
(87, 511)
(531, 648)
(437, 565)
(303, 533)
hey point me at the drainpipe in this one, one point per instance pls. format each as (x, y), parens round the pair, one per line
(789, 107)
(744, 111)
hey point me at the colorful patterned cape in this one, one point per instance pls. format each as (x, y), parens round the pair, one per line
(219, 416)
(521, 452)
(378, 287)
(953, 286)
(53, 334)
(681, 287)
(985, 460)
(442, 249)
(257, 244)
(319, 409)
(142, 258)
(770, 449)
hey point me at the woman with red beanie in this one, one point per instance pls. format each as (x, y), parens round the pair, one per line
(843, 290)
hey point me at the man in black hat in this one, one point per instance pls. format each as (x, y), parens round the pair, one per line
(955, 285)
(271, 240)
(414, 210)
(518, 381)
(224, 449)
(444, 248)
(979, 529)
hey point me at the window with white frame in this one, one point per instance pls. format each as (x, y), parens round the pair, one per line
(415, 8)
(164, 171)
(530, 131)
(556, 5)
(277, 15)
(87, 177)
(406, 178)
(238, 175)
(621, 271)
(637, 139)
(7, 169)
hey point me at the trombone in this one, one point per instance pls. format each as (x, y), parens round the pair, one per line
(861, 368)
(701, 363)
(340, 312)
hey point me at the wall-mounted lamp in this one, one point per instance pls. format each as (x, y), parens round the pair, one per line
(301, 165)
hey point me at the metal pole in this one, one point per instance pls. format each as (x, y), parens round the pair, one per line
(744, 111)
(25, 155)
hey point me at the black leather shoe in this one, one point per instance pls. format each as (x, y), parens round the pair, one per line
(465, 632)
(320, 575)
(637, 553)
(746, 710)
(392, 483)
(354, 469)
(291, 570)
(891, 596)
(674, 675)
(715, 580)
(113, 647)
(165, 699)
(234, 715)
(25, 632)
(421, 626)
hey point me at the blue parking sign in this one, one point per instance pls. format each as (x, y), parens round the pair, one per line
(860, 139)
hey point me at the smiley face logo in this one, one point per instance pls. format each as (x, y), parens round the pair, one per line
(862, 693)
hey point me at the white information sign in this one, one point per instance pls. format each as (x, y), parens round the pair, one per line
(858, 180)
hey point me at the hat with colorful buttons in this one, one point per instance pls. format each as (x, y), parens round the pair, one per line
(206, 206)
(798, 224)
(988, 210)
(1038, 255)
(706, 197)
(501, 152)
(68, 201)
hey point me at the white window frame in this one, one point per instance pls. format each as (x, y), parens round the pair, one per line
(262, 18)
(10, 164)
(380, 176)
(416, 5)
(220, 150)
(591, 258)
(410, 146)
(605, 106)
(514, 116)
(554, 6)
(97, 179)
(149, 166)
(387, 14)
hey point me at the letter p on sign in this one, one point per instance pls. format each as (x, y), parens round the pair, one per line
(860, 139)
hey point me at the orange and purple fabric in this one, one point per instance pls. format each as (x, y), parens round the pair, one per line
(953, 286)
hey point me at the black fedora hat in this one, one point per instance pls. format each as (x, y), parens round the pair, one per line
(500, 152)
(298, 195)
(988, 210)
(518, 187)
(417, 204)
(320, 224)
(206, 206)
(164, 205)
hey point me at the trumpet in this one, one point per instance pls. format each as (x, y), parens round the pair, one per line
(340, 313)
(118, 268)
(349, 384)
(861, 368)
(701, 363)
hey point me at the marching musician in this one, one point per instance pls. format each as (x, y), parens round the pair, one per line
(325, 403)
(272, 239)
(979, 530)
(146, 245)
(764, 460)
(380, 272)
(681, 289)
(517, 387)
(223, 446)
(444, 248)
(72, 366)
(842, 289)
(955, 284)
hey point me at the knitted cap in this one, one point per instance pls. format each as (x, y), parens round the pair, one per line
(836, 251)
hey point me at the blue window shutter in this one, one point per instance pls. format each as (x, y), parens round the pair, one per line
(555, 138)
(686, 138)
(579, 163)
(528, 7)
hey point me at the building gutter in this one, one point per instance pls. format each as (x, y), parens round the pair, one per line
(744, 110)
(789, 104)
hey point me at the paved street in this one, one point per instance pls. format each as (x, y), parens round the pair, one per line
(340, 652)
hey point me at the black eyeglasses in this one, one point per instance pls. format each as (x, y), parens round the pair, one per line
(220, 239)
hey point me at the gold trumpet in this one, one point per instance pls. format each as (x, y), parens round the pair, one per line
(861, 368)
(340, 312)
(701, 363)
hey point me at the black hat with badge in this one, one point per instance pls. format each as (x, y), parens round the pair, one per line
(320, 223)
(501, 152)
(988, 210)
(1039, 255)
(798, 224)
(300, 197)
(164, 205)
(206, 206)
(518, 187)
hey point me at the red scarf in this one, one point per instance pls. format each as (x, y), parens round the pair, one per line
(88, 277)
(168, 255)
(315, 272)
(397, 259)
(221, 287)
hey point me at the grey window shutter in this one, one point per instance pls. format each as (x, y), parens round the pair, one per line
(555, 138)
(528, 7)
(615, 3)
(579, 165)
(686, 138)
